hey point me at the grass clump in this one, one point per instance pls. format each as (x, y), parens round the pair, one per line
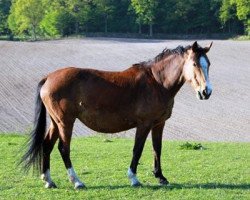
(192, 146)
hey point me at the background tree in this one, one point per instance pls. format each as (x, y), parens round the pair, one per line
(190, 16)
(105, 10)
(228, 16)
(25, 16)
(243, 12)
(80, 11)
(146, 12)
(4, 12)
(52, 18)
(49, 23)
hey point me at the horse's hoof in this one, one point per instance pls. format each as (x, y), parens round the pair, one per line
(50, 185)
(163, 182)
(137, 184)
(79, 186)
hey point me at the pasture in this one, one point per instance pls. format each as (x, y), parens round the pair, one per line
(221, 171)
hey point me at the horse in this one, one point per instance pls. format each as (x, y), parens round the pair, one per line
(140, 97)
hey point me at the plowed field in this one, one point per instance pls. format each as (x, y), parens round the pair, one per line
(224, 117)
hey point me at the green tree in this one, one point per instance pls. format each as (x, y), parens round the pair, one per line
(189, 16)
(80, 10)
(233, 14)
(146, 12)
(4, 12)
(243, 12)
(227, 13)
(105, 9)
(66, 17)
(58, 19)
(25, 17)
(49, 24)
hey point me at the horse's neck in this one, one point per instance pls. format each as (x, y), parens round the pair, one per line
(168, 73)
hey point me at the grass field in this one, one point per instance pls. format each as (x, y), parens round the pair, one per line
(221, 171)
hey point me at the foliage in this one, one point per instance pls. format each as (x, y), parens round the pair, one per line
(236, 11)
(192, 16)
(145, 11)
(4, 12)
(66, 17)
(220, 172)
(25, 16)
(243, 12)
(50, 22)
(105, 9)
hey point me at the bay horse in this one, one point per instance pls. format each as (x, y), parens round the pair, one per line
(142, 96)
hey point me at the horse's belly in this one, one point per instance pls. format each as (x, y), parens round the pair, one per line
(106, 122)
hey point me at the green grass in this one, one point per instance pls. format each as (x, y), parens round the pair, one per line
(221, 171)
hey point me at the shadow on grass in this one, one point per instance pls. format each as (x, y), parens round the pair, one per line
(178, 186)
(173, 186)
(210, 186)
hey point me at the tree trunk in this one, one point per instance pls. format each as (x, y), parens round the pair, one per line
(229, 26)
(34, 32)
(106, 24)
(247, 28)
(77, 28)
(151, 30)
(139, 27)
(11, 36)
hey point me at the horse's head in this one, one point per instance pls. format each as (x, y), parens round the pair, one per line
(196, 70)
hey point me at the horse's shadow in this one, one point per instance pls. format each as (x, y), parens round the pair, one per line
(177, 186)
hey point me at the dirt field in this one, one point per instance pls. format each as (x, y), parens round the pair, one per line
(224, 117)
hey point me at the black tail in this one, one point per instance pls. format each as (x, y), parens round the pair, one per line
(33, 156)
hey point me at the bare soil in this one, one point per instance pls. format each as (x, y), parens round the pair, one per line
(224, 117)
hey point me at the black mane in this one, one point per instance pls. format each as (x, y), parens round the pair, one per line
(180, 50)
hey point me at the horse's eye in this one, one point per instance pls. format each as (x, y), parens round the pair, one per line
(195, 65)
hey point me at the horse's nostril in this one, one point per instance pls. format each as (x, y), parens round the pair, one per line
(204, 92)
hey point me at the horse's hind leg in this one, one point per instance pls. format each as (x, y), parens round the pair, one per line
(64, 148)
(140, 138)
(157, 146)
(48, 144)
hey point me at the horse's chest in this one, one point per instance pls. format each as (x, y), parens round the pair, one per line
(155, 110)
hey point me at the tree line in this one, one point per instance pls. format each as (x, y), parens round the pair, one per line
(51, 18)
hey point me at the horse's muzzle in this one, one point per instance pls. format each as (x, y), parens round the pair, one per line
(205, 94)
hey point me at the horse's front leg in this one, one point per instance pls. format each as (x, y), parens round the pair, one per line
(140, 138)
(157, 146)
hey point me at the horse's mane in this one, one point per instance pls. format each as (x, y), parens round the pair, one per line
(180, 50)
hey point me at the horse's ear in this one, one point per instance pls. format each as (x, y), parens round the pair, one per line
(206, 49)
(195, 46)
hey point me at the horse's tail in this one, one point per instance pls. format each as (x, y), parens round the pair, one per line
(33, 156)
